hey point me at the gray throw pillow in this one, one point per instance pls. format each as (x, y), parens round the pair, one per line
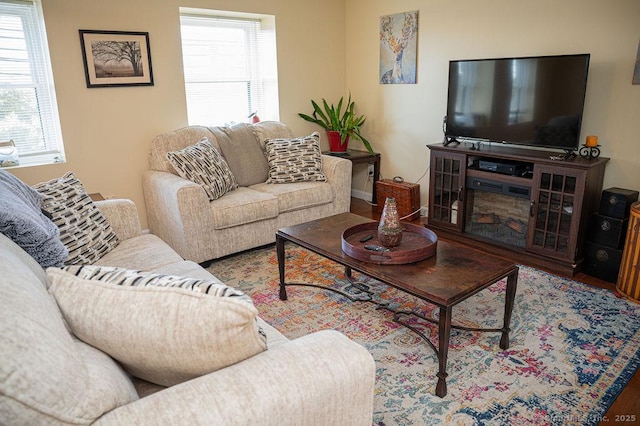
(243, 154)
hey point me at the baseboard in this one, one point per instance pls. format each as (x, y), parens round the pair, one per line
(362, 195)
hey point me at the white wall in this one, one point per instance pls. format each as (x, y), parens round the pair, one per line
(107, 131)
(402, 119)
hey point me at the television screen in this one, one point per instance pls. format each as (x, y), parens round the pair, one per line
(535, 101)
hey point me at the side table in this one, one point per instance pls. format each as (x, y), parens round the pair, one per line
(359, 157)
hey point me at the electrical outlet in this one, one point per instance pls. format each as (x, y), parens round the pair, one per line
(370, 170)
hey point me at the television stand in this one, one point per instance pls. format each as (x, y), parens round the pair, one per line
(533, 202)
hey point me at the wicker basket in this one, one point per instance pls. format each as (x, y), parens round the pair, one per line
(407, 197)
(629, 276)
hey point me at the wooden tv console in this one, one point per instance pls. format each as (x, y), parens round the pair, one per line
(526, 203)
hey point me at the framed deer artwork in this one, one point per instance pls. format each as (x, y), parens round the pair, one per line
(398, 48)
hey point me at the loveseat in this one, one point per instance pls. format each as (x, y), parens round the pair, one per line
(48, 375)
(200, 229)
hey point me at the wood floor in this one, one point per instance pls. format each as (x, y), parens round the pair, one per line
(626, 408)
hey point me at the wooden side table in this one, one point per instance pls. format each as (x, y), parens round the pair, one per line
(359, 157)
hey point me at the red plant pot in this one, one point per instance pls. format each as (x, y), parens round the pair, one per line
(335, 144)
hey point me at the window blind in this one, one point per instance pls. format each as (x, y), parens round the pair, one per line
(229, 68)
(28, 113)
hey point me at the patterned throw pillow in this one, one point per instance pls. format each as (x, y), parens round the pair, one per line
(295, 160)
(84, 230)
(164, 329)
(202, 163)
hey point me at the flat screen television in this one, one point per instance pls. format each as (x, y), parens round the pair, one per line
(535, 101)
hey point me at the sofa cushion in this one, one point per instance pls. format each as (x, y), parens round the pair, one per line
(299, 195)
(47, 376)
(146, 252)
(243, 206)
(22, 220)
(243, 154)
(175, 141)
(295, 160)
(265, 130)
(83, 228)
(202, 163)
(163, 329)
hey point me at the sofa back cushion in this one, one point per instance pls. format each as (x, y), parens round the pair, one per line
(265, 130)
(243, 154)
(175, 141)
(47, 376)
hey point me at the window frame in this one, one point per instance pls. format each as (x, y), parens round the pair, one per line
(41, 75)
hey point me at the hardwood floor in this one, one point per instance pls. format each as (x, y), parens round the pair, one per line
(626, 407)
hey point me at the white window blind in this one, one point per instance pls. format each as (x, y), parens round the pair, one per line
(229, 69)
(28, 112)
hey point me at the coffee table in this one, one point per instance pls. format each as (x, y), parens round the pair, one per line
(454, 274)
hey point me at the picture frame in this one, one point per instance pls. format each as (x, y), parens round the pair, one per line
(116, 58)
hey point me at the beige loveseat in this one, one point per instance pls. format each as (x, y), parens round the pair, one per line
(48, 376)
(179, 211)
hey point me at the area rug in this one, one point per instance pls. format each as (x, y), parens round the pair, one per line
(573, 347)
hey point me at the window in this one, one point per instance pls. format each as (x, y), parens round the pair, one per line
(229, 67)
(28, 113)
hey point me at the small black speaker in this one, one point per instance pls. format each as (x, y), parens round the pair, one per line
(601, 261)
(607, 231)
(616, 202)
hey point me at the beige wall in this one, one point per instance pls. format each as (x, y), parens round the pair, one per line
(402, 119)
(326, 49)
(107, 131)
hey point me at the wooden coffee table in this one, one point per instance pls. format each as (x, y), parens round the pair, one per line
(454, 274)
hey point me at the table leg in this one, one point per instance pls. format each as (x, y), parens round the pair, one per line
(376, 177)
(510, 296)
(280, 255)
(444, 332)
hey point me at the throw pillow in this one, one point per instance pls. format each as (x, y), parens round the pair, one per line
(161, 328)
(22, 220)
(202, 163)
(295, 160)
(243, 154)
(84, 230)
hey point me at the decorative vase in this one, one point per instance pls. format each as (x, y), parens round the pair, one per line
(390, 228)
(335, 141)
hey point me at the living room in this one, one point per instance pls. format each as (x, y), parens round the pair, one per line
(325, 50)
(329, 49)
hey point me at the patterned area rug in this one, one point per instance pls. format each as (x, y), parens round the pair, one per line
(573, 347)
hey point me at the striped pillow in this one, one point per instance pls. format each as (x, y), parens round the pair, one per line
(84, 230)
(295, 160)
(164, 329)
(202, 163)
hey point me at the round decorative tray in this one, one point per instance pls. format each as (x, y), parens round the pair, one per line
(418, 243)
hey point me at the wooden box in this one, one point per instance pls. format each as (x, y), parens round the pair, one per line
(616, 202)
(607, 231)
(407, 197)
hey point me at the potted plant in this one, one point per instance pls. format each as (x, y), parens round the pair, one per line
(339, 124)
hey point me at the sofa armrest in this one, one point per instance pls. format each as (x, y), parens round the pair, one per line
(338, 173)
(319, 379)
(122, 215)
(178, 211)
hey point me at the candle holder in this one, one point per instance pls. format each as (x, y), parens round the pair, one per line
(390, 228)
(589, 152)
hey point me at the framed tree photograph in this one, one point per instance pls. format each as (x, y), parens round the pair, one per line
(116, 58)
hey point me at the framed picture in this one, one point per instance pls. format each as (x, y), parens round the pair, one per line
(116, 58)
(398, 48)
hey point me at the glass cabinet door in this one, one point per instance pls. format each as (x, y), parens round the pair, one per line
(447, 189)
(554, 207)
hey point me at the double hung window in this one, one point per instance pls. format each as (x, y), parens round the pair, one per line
(28, 110)
(229, 66)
